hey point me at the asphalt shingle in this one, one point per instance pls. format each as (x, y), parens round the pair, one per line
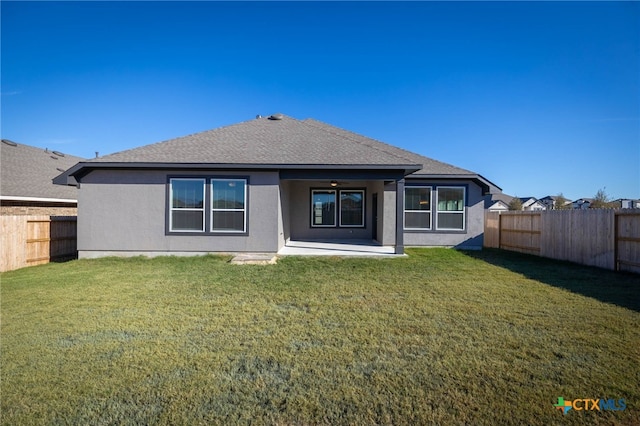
(284, 141)
(27, 171)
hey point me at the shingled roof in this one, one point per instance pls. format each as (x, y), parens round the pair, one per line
(275, 141)
(429, 165)
(265, 141)
(27, 172)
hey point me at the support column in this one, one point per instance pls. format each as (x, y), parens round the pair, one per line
(399, 218)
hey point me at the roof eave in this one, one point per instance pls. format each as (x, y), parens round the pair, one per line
(484, 183)
(67, 178)
(74, 174)
(37, 199)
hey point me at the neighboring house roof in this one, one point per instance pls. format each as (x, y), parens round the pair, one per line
(499, 197)
(497, 206)
(549, 198)
(27, 173)
(530, 201)
(278, 142)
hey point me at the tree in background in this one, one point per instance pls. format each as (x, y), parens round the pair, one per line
(601, 200)
(515, 204)
(561, 202)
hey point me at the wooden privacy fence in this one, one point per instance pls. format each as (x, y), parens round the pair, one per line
(33, 240)
(605, 238)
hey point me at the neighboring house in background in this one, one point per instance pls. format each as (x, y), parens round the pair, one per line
(625, 203)
(531, 204)
(582, 203)
(497, 202)
(550, 202)
(26, 186)
(256, 185)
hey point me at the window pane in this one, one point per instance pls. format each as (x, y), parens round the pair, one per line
(450, 199)
(186, 220)
(228, 194)
(228, 221)
(187, 193)
(323, 208)
(351, 208)
(450, 221)
(417, 198)
(415, 220)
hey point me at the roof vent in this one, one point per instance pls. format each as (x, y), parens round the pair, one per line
(58, 153)
(276, 116)
(8, 142)
(60, 169)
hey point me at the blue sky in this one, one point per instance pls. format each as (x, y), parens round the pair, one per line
(540, 97)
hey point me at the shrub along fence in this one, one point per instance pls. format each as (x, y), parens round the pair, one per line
(606, 238)
(33, 240)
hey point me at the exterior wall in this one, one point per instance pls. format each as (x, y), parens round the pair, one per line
(548, 203)
(377, 187)
(37, 209)
(124, 212)
(470, 238)
(536, 206)
(499, 207)
(284, 218)
(580, 204)
(300, 211)
(389, 215)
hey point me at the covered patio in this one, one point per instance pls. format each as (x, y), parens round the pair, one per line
(345, 211)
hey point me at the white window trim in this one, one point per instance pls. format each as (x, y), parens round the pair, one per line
(172, 209)
(244, 210)
(363, 207)
(335, 212)
(463, 211)
(430, 211)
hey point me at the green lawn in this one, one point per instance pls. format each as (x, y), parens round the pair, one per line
(440, 337)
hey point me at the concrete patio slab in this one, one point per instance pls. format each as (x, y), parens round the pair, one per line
(358, 248)
(254, 259)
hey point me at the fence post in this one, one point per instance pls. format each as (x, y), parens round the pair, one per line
(499, 230)
(616, 266)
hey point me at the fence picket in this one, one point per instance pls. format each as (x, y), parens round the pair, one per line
(33, 240)
(605, 238)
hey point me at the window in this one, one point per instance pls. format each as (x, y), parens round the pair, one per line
(417, 207)
(352, 208)
(228, 205)
(325, 211)
(195, 202)
(450, 208)
(323, 208)
(187, 205)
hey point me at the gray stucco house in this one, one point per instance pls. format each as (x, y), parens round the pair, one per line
(256, 185)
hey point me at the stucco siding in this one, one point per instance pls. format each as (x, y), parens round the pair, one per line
(300, 211)
(470, 238)
(389, 215)
(283, 214)
(125, 211)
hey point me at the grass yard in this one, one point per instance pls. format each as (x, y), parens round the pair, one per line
(440, 337)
